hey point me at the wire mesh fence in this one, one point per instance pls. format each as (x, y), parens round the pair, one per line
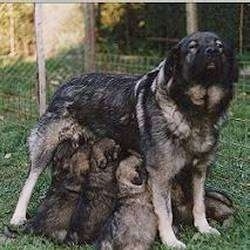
(18, 70)
(64, 54)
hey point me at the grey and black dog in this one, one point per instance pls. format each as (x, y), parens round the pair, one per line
(171, 115)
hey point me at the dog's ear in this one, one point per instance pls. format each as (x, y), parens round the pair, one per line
(173, 57)
(163, 73)
(167, 66)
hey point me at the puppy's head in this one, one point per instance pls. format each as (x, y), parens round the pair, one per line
(131, 176)
(69, 162)
(201, 70)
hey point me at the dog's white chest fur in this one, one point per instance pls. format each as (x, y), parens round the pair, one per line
(197, 139)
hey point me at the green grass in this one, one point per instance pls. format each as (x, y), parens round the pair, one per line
(18, 110)
(229, 174)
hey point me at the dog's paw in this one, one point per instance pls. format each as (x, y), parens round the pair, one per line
(209, 230)
(113, 152)
(17, 228)
(17, 222)
(175, 244)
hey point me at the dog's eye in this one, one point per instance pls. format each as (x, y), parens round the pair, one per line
(193, 46)
(219, 44)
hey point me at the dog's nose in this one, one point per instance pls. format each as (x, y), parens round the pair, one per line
(211, 52)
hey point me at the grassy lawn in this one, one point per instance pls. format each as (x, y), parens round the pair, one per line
(229, 173)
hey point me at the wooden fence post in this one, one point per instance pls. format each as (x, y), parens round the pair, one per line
(191, 17)
(89, 41)
(11, 29)
(40, 59)
(241, 28)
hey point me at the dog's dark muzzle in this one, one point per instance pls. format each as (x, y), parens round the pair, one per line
(213, 59)
(207, 68)
(211, 52)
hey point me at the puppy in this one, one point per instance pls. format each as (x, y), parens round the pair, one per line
(218, 205)
(133, 225)
(54, 214)
(172, 115)
(98, 196)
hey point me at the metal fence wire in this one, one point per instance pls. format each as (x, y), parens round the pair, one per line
(125, 44)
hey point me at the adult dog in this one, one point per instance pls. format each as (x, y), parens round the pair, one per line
(171, 115)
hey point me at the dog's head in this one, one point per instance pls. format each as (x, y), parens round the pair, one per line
(204, 58)
(200, 71)
(131, 176)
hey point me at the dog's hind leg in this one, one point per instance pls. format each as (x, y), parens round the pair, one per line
(19, 216)
(43, 140)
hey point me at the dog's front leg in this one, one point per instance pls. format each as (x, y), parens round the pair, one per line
(160, 185)
(199, 213)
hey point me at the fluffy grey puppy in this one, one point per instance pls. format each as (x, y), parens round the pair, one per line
(133, 225)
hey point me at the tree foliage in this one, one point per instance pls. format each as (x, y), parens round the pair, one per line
(153, 28)
(130, 28)
(22, 15)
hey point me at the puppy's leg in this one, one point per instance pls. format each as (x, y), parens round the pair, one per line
(42, 143)
(199, 213)
(161, 192)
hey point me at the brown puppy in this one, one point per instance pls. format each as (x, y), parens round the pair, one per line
(219, 206)
(98, 197)
(133, 225)
(53, 216)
